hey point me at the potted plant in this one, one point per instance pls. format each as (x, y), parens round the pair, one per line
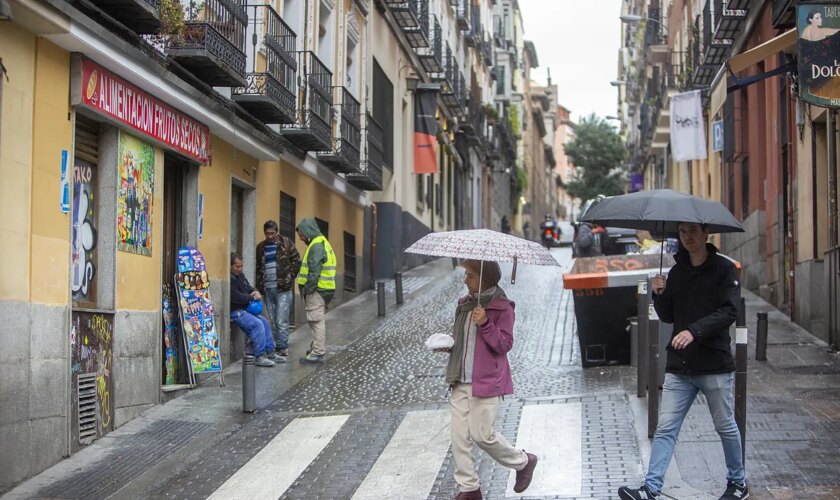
(491, 113)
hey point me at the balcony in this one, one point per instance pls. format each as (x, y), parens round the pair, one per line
(473, 36)
(784, 14)
(487, 49)
(455, 93)
(311, 129)
(212, 45)
(462, 15)
(729, 20)
(344, 158)
(412, 16)
(369, 176)
(269, 91)
(141, 16)
(431, 57)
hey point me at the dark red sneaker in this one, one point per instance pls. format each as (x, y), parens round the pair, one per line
(469, 495)
(524, 476)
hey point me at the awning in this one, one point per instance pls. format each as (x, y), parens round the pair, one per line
(757, 54)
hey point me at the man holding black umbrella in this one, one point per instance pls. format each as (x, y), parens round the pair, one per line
(701, 298)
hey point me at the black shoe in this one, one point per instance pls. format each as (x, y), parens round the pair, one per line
(735, 491)
(643, 493)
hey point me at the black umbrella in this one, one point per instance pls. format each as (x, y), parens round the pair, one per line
(660, 211)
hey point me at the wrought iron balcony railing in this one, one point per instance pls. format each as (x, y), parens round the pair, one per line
(473, 36)
(431, 58)
(212, 45)
(487, 49)
(784, 14)
(311, 129)
(370, 175)
(413, 17)
(140, 16)
(269, 93)
(345, 157)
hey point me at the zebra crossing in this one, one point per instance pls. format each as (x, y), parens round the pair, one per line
(413, 459)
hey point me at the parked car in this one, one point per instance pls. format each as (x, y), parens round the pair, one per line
(613, 240)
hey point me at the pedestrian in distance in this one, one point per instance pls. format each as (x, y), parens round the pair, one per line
(700, 298)
(316, 282)
(278, 263)
(478, 374)
(255, 326)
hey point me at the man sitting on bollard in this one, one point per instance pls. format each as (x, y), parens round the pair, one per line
(255, 326)
(701, 299)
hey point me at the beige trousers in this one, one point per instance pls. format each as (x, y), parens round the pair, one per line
(472, 422)
(316, 311)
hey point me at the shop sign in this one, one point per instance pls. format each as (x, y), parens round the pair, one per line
(817, 27)
(112, 97)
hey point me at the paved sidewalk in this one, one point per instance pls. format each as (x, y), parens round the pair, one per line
(125, 462)
(793, 421)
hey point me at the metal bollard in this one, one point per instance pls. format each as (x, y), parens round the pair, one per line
(761, 337)
(249, 386)
(653, 373)
(398, 287)
(380, 297)
(741, 376)
(642, 338)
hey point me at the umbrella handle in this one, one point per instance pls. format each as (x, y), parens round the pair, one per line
(480, 279)
(513, 273)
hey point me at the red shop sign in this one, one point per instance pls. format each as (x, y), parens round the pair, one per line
(116, 99)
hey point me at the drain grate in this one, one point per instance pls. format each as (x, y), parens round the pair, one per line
(86, 390)
(832, 394)
(825, 369)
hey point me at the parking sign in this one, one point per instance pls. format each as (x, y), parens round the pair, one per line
(717, 135)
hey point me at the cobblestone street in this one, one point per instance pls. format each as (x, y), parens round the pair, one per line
(372, 422)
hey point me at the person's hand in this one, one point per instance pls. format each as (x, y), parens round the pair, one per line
(682, 339)
(479, 317)
(256, 295)
(658, 284)
(442, 349)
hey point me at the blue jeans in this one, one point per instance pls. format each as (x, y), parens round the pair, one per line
(678, 393)
(279, 303)
(257, 330)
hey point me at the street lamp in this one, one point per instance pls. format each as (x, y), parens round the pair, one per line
(633, 18)
(618, 83)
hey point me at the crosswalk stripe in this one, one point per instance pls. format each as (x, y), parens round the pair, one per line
(408, 466)
(553, 433)
(276, 466)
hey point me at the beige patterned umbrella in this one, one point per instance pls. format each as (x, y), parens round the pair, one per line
(483, 244)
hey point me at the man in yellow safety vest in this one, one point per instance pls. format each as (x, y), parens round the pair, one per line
(316, 282)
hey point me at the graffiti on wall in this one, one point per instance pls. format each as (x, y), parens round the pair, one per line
(135, 195)
(91, 345)
(83, 252)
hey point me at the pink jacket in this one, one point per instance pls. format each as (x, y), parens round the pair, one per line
(491, 371)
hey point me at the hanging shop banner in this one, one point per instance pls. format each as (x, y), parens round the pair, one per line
(425, 132)
(688, 139)
(817, 25)
(95, 88)
(135, 195)
(197, 313)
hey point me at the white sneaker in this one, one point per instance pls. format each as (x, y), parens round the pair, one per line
(263, 361)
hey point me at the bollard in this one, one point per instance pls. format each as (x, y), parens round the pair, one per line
(642, 338)
(761, 337)
(741, 376)
(380, 297)
(398, 287)
(653, 372)
(249, 386)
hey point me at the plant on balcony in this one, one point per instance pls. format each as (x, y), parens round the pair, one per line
(513, 119)
(521, 179)
(171, 18)
(491, 112)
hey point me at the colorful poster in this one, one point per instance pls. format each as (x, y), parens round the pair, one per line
(135, 195)
(197, 313)
(170, 335)
(818, 25)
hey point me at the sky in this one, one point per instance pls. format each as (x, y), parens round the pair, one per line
(579, 41)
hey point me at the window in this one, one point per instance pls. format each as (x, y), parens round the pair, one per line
(349, 262)
(287, 215)
(420, 192)
(383, 112)
(324, 227)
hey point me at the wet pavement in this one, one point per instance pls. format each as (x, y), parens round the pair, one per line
(379, 381)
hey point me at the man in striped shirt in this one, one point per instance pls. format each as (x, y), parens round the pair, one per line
(278, 263)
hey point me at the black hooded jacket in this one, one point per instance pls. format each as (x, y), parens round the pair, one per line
(703, 300)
